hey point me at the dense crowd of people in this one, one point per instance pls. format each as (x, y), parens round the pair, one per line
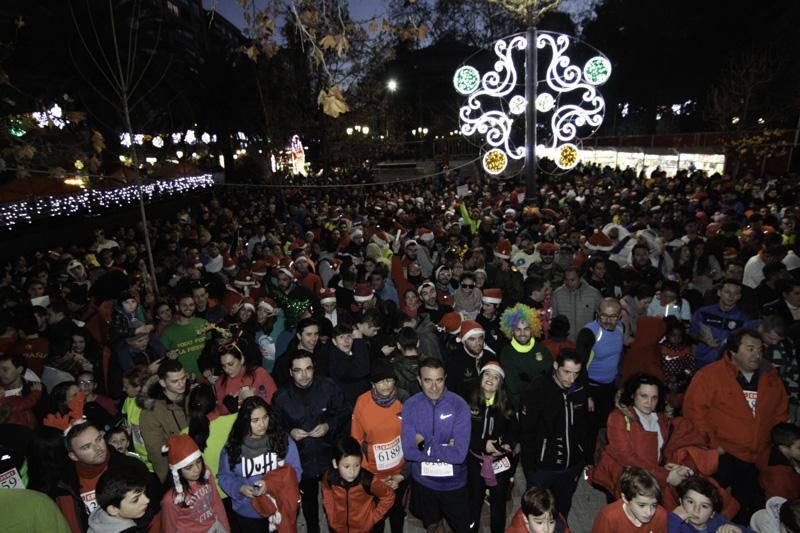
(404, 347)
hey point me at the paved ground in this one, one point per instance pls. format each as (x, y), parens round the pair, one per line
(585, 505)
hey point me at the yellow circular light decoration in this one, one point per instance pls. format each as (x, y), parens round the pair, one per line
(495, 161)
(567, 156)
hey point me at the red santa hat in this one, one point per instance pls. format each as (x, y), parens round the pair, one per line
(425, 235)
(363, 292)
(285, 267)
(492, 296)
(380, 238)
(599, 242)
(451, 322)
(503, 249)
(181, 451)
(424, 284)
(245, 279)
(269, 305)
(249, 303)
(494, 365)
(327, 296)
(547, 247)
(259, 268)
(470, 328)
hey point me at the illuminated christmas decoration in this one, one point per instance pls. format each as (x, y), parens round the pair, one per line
(52, 117)
(125, 139)
(495, 161)
(545, 102)
(16, 127)
(138, 138)
(176, 138)
(597, 70)
(158, 142)
(94, 200)
(566, 98)
(298, 157)
(567, 156)
(189, 138)
(466, 79)
(78, 164)
(517, 104)
(206, 138)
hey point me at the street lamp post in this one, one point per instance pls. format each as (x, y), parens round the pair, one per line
(391, 86)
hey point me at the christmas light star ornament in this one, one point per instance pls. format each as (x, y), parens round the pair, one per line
(545, 102)
(466, 79)
(597, 70)
(495, 161)
(567, 156)
(517, 105)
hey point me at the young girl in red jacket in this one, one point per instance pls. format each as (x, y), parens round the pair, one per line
(353, 499)
(193, 504)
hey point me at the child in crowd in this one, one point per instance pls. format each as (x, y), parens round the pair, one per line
(677, 360)
(638, 510)
(193, 502)
(132, 382)
(781, 475)
(537, 514)
(558, 337)
(700, 509)
(121, 500)
(118, 438)
(353, 499)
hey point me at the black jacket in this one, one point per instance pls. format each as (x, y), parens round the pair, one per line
(489, 423)
(554, 425)
(463, 371)
(307, 408)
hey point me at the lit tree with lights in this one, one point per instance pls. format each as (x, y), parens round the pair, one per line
(567, 96)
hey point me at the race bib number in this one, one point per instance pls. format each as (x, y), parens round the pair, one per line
(89, 501)
(434, 469)
(10, 480)
(501, 466)
(388, 455)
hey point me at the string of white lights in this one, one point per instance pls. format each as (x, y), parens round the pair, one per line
(94, 200)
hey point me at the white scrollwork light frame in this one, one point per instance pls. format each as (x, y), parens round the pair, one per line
(579, 107)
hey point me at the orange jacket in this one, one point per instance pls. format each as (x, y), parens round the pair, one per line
(716, 405)
(350, 508)
(377, 428)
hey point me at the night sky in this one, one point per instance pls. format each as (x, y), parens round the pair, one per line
(359, 9)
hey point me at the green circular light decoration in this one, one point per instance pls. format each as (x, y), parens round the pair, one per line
(495, 161)
(597, 70)
(466, 79)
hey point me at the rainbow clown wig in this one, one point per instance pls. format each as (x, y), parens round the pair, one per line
(520, 313)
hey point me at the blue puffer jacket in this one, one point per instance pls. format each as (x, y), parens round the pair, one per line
(448, 418)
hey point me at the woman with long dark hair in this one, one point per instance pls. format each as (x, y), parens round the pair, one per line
(207, 427)
(494, 434)
(257, 444)
(240, 378)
